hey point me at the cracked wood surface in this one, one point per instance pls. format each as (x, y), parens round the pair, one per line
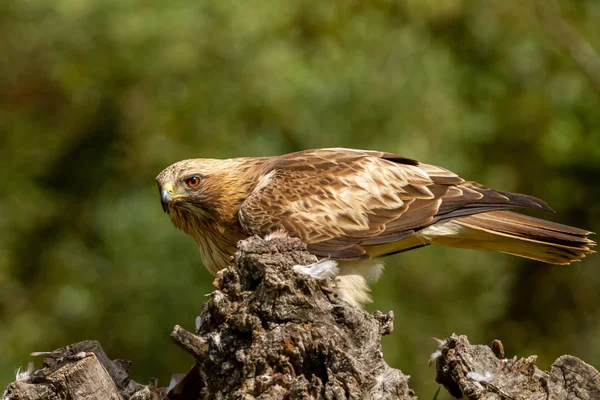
(479, 373)
(267, 332)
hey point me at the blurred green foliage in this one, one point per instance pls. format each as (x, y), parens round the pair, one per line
(97, 97)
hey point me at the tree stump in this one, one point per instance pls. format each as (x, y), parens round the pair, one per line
(482, 373)
(80, 371)
(267, 332)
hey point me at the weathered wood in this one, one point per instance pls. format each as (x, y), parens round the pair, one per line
(193, 344)
(479, 373)
(78, 371)
(274, 334)
(270, 333)
(84, 379)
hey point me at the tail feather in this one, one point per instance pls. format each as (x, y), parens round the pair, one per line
(515, 234)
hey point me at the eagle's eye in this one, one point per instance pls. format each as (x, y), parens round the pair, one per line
(193, 182)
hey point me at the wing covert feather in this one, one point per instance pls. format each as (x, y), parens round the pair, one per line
(343, 197)
(341, 201)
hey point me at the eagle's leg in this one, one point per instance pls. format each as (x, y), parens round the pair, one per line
(351, 277)
(352, 283)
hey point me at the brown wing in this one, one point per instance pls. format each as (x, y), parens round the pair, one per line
(341, 201)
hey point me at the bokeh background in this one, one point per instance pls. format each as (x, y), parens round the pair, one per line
(97, 97)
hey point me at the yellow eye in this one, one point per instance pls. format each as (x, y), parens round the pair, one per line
(193, 182)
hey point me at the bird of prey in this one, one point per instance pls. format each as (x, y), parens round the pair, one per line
(352, 207)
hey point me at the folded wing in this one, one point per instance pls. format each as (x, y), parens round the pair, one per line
(352, 204)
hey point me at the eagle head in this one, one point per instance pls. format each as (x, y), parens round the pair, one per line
(202, 198)
(205, 189)
(189, 191)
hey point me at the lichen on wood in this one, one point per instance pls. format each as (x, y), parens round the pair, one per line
(273, 333)
(267, 332)
(478, 372)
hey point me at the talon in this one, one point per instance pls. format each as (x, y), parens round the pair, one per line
(327, 289)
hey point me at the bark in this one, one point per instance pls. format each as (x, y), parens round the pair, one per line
(80, 371)
(267, 332)
(480, 372)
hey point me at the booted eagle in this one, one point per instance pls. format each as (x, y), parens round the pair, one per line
(352, 207)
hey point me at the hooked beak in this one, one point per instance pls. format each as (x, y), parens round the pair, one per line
(168, 196)
(166, 199)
